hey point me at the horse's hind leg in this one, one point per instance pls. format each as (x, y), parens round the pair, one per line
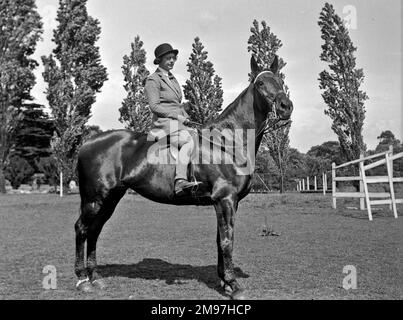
(93, 216)
(94, 229)
(87, 211)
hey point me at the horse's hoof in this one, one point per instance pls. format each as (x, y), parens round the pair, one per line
(227, 288)
(99, 284)
(85, 286)
(239, 295)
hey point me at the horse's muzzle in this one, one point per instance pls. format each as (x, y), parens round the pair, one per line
(284, 107)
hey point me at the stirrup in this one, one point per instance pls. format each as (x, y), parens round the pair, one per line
(185, 185)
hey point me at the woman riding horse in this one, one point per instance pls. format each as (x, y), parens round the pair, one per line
(112, 162)
(169, 117)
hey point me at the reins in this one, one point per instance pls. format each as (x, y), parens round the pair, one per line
(269, 118)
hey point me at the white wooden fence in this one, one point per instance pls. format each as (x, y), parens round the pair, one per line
(365, 196)
(303, 185)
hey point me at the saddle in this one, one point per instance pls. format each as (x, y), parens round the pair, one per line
(164, 153)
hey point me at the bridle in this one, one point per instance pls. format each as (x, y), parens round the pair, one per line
(273, 116)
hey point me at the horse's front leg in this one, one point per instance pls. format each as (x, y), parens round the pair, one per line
(225, 210)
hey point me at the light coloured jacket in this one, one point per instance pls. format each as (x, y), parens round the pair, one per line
(164, 99)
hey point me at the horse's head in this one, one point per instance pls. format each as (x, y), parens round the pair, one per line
(271, 88)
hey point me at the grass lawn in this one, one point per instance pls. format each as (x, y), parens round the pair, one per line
(153, 251)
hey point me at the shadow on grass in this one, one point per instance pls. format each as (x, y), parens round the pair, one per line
(157, 269)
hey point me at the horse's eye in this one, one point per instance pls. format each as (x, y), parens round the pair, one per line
(259, 83)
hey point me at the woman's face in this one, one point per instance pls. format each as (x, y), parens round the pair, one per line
(168, 61)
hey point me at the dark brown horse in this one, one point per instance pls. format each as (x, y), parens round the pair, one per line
(114, 161)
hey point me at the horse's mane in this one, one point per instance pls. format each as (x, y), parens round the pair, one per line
(226, 119)
(98, 135)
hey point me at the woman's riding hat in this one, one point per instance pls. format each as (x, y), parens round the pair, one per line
(163, 49)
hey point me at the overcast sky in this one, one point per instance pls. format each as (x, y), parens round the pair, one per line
(224, 28)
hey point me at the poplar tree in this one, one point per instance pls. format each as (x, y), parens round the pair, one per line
(20, 30)
(278, 144)
(341, 84)
(264, 45)
(34, 133)
(135, 113)
(74, 75)
(203, 88)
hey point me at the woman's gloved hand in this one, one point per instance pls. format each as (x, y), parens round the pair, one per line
(183, 119)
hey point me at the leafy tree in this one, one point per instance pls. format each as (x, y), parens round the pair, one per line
(74, 75)
(341, 85)
(33, 134)
(135, 113)
(329, 152)
(48, 166)
(386, 139)
(278, 144)
(93, 130)
(264, 46)
(203, 89)
(296, 164)
(297, 168)
(18, 171)
(20, 30)
(316, 165)
(267, 171)
(263, 159)
(90, 131)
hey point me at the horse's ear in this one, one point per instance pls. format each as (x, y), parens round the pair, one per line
(254, 66)
(274, 65)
